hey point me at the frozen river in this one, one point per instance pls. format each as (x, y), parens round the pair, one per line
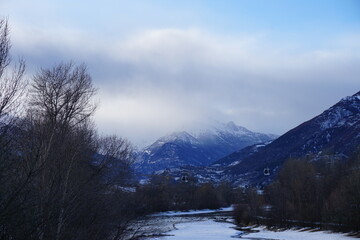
(217, 225)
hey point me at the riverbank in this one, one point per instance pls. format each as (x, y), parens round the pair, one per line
(218, 224)
(211, 230)
(294, 234)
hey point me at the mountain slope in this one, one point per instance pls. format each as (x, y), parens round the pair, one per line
(200, 148)
(335, 132)
(176, 149)
(224, 139)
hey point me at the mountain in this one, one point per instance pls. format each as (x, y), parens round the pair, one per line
(176, 149)
(223, 139)
(198, 148)
(334, 134)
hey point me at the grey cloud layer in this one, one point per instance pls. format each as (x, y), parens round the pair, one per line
(159, 80)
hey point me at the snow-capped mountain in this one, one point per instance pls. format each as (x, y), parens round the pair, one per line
(200, 148)
(331, 136)
(224, 139)
(334, 134)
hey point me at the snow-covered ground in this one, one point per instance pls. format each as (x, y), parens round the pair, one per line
(207, 230)
(211, 230)
(216, 225)
(163, 225)
(295, 235)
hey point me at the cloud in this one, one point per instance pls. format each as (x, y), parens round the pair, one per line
(158, 80)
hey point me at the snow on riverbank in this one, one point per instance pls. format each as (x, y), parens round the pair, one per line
(294, 235)
(192, 212)
(211, 230)
(192, 225)
(207, 230)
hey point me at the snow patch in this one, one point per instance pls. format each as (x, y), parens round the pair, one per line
(234, 163)
(207, 230)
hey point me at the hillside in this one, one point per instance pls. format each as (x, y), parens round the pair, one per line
(335, 133)
(200, 148)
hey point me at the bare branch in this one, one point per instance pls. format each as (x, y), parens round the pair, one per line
(12, 85)
(63, 94)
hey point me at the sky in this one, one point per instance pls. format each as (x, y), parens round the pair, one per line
(167, 65)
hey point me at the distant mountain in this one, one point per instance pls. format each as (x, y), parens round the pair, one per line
(333, 134)
(200, 148)
(224, 139)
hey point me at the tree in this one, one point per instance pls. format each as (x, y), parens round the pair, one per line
(62, 96)
(205, 197)
(61, 106)
(293, 194)
(342, 205)
(115, 157)
(12, 88)
(12, 85)
(58, 179)
(80, 186)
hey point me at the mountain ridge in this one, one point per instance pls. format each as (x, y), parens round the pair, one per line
(335, 132)
(199, 148)
(332, 136)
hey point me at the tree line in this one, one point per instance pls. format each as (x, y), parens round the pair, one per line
(163, 193)
(324, 194)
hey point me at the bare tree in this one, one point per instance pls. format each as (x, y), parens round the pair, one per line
(60, 109)
(58, 179)
(115, 159)
(63, 95)
(12, 85)
(12, 88)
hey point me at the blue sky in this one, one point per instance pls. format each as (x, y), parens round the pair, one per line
(165, 65)
(299, 18)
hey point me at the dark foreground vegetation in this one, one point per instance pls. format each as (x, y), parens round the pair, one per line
(323, 194)
(164, 194)
(58, 178)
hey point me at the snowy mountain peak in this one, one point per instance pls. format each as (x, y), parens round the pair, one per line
(357, 94)
(345, 112)
(354, 98)
(222, 129)
(232, 126)
(199, 148)
(179, 136)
